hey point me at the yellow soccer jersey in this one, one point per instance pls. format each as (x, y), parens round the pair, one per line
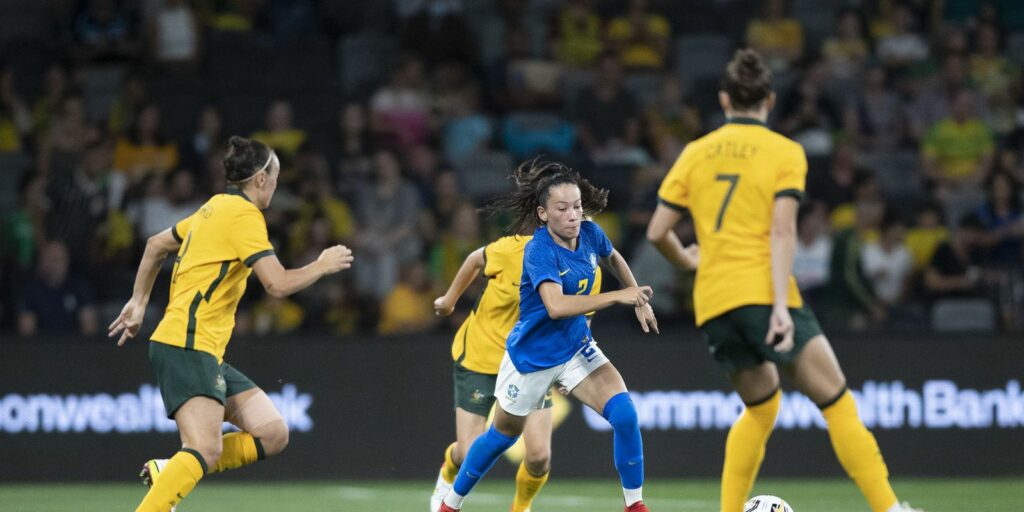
(219, 244)
(480, 342)
(729, 180)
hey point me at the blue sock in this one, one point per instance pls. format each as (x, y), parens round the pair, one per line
(481, 457)
(629, 448)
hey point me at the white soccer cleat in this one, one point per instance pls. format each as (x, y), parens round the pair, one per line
(441, 489)
(151, 472)
(905, 507)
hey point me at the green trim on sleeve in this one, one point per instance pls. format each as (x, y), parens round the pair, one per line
(791, 192)
(671, 205)
(252, 259)
(174, 233)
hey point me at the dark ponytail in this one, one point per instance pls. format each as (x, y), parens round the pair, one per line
(245, 158)
(534, 180)
(747, 80)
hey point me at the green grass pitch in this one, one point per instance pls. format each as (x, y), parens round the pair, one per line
(933, 495)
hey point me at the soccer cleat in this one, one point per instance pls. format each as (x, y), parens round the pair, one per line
(907, 508)
(151, 472)
(446, 508)
(441, 489)
(637, 507)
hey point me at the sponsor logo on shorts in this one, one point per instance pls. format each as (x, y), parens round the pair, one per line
(220, 384)
(476, 397)
(512, 392)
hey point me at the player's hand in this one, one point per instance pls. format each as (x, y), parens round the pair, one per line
(128, 322)
(335, 259)
(646, 317)
(780, 330)
(442, 307)
(692, 252)
(635, 296)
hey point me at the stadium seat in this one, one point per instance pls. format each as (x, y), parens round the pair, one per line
(365, 61)
(527, 134)
(958, 315)
(485, 174)
(702, 56)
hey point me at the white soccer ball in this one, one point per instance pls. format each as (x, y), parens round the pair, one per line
(766, 503)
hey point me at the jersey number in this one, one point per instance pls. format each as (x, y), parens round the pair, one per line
(733, 180)
(583, 286)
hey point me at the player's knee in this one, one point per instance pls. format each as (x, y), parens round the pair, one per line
(274, 437)
(538, 461)
(621, 413)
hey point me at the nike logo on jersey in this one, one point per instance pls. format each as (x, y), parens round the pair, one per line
(564, 272)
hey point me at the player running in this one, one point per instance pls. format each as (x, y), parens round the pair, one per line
(743, 184)
(477, 350)
(220, 245)
(551, 342)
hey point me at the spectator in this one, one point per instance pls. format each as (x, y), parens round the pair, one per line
(276, 315)
(928, 232)
(401, 109)
(170, 198)
(144, 150)
(281, 134)
(24, 228)
(954, 270)
(128, 103)
(15, 118)
(355, 147)
(607, 116)
(1002, 220)
(671, 115)
(808, 115)
(847, 52)
(69, 134)
(778, 38)
(876, 117)
(579, 39)
(209, 135)
(174, 36)
(319, 204)
(813, 254)
(468, 132)
(958, 150)
(104, 32)
(446, 200)
(438, 31)
(232, 15)
(455, 243)
(641, 38)
(423, 165)
(933, 101)
(853, 303)
(835, 187)
(902, 47)
(887, 261)
(387, 211)
(996, 77)
(54, 301)
(409, 307)
(522, 80)
(78, 201)
(55, 89)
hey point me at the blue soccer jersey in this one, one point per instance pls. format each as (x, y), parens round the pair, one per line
(537, 341)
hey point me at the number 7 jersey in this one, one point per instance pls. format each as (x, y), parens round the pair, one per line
(729, 180)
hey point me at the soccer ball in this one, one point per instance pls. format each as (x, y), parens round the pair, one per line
(766, 503)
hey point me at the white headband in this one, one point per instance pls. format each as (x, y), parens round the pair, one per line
(261, 169)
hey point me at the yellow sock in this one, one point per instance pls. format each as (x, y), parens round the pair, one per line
(527, 487)
(450, 469)
(240, 448)
(744, 451)
(858, 452)
(179, 477)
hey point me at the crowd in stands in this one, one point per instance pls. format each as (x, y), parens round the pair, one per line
(396, 120)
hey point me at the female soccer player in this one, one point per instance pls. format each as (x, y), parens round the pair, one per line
(742, 184)
(477, 350)
(220, 245)
(551, 342)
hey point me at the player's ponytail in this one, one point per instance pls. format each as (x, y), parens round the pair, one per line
(534, 180)
(747, 80)
(245, 158)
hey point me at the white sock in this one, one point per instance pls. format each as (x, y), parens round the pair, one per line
(896, 507)
(633, 495)
(453, 500)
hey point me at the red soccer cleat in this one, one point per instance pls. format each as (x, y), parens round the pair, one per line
(637, 507)
(446, 508)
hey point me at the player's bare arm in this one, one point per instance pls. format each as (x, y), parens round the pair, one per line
(783, 242)
(281, 282)
(474, 264)
(560, 305)
(660, 233)
(127, 324)
(617, 266)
